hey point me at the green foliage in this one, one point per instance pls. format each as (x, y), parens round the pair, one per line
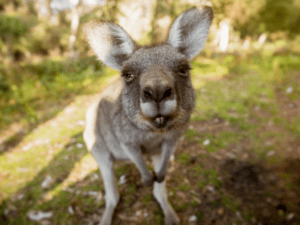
(4, 87)
(44, 38)
(281, 15)
(52, 71)
(50, 79)
(12, 25)
(251, 18)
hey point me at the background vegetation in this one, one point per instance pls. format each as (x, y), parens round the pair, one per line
(247, 110)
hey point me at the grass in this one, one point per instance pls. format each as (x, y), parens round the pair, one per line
(233, 87)
(56, 80)
(210, 178)
(185, 158)
(251, 82)
(190, 134)
(147, 199)
(212, 143)
(237, 89)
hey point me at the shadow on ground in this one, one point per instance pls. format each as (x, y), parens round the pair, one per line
(34, 195)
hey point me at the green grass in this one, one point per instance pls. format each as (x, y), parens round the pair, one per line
(147, 199)
(233, 86)
(185, 158)
(190, 134)
(184, 187)
(210, 177)
(128, 200)
(230, 203)
(252, 81)
(221, 141)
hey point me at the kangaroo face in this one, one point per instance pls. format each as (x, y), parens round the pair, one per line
(156, 82)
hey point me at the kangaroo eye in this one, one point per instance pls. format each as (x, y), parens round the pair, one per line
(183, 72)
(129, 76)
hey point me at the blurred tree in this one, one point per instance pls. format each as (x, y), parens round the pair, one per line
(161, 20)
(222, 12)
(241, 15)
(136, 17)
(43, 9)
(72, 5)
(165, 12)
(279, 15)
(11, 31)
(255, 17)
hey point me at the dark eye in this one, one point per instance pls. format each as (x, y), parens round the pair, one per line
(129, 76)
(183, 72)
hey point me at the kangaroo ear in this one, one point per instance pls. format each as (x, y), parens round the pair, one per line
(110, 42)
(189, 31)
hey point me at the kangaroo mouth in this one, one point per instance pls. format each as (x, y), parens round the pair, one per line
(161, 121)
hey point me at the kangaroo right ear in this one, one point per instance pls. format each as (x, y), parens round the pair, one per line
(110, 42)
(189, 31)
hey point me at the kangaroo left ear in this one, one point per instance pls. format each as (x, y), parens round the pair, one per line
(189, 31)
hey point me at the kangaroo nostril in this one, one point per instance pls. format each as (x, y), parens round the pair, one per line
(157, 93)
(167, 93)
(147, 93)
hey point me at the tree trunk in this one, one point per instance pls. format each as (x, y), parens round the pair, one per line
(43, 9)
(74, 28)
(247, 42)
(261, 40)
(224, 35)
(161, 21)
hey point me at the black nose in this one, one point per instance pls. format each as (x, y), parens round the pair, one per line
(157, 93)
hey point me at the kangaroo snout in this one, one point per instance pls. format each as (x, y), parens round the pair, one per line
(158, 97)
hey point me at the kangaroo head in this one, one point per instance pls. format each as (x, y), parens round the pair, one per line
(157, 91)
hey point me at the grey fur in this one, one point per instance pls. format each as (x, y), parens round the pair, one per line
(151, 109)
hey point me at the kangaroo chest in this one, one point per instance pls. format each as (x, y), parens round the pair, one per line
(151, 143)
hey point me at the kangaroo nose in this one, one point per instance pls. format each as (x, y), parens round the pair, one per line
(157, 93)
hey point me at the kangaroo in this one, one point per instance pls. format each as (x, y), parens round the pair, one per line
(154, 104)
